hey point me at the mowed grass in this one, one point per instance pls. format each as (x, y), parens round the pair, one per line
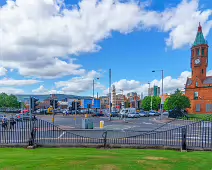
(99, 159)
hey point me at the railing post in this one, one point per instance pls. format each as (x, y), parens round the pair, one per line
(104, 135)
(184, 132)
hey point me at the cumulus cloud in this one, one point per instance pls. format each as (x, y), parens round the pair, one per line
(13, 82)
(9, 90)
(170, 84)
(42, 90)
(81, 84)
(38, 40)
(3, 71)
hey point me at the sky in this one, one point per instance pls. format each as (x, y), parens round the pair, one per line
(60, 47)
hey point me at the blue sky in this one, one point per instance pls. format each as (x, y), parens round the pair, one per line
(131, 56)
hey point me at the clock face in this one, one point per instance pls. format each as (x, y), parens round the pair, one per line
(197, 61)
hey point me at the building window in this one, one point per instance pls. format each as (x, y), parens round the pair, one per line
(202, 71)
(198, 51)
(196, 95)
(198, 107)
(197, 84)
(208, 107)
(203, 51)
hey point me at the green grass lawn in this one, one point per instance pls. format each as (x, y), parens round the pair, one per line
(99, 159)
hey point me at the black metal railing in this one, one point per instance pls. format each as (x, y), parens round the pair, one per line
(176, 133)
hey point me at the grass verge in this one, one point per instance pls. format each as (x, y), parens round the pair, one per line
(97, 159)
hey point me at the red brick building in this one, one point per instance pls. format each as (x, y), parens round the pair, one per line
(199, 87)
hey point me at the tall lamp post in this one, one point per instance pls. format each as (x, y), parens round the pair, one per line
(162, 100)
(122, 92)
(150, 95)
(93, 90)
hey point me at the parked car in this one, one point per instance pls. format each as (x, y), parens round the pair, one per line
(27, 116)
(115, 114)
(97, 114)
(152, 113)
(144, 114)
(133, 115)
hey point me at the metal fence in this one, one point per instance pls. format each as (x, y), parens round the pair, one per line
(193, 134)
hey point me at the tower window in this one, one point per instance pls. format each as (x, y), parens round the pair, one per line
(198, 51)
(203, 51)
(202, 71)
(196, 95)
(197, 84)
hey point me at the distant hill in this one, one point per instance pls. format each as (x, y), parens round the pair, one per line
(22, 97)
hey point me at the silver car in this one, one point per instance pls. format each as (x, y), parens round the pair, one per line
(133, 115)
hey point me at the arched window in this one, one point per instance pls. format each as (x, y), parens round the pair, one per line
(196, 95)
(197, 84)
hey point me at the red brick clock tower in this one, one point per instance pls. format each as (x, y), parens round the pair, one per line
(199, 87)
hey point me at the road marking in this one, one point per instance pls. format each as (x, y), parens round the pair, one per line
(146, 123)
(61, 135)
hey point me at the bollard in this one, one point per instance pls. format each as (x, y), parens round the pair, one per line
(101, 124)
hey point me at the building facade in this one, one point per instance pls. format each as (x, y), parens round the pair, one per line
(199, 87)
(154, 91)
(104, 102)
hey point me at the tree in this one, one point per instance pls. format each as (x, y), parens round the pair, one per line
(9, 101)
(146, 103)
(177, 100)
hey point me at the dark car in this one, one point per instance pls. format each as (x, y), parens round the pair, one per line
(97, 114)
(115, 114)
(26, 116)
(177, 113)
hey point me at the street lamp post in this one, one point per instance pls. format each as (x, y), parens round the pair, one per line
(150, 95)
(162, 100)
(93, 91)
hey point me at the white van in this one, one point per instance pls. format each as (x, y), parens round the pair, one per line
(127, 111)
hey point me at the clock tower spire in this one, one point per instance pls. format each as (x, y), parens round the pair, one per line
(199, 57)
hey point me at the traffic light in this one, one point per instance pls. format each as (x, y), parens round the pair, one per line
(73, 105)
(35, 101)
(78, 105)
(55, 104)
(51, 103)
(33, 104)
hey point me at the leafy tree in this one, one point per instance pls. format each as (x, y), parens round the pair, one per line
(9, 101)
(177, 100)
(146, 103)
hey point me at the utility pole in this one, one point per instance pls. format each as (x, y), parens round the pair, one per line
(93, 88)
(110, 93)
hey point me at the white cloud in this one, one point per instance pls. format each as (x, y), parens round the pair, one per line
(43, 90)
(12, 82)
(32, 45)
(8, 90)
(180, 22)
(3, 71)
(81, 84)
(35, 37)
(170, 84)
